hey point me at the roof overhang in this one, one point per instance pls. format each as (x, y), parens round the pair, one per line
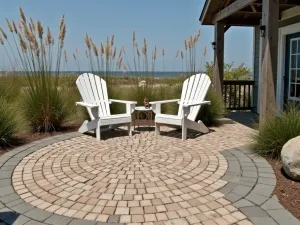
(238, 12)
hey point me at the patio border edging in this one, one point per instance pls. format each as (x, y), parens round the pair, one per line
(251, 182)
(13, 209)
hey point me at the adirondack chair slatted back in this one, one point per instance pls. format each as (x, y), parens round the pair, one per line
(93, 90)
(194, 89)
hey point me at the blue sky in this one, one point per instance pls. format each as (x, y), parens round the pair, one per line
(165, 24)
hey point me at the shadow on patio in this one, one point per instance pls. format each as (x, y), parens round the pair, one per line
(248, 119)
(9, 217)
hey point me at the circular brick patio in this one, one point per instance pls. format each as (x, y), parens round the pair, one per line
(145, 179)
(74, 179)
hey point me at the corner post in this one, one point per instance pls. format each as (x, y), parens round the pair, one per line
(218, 75)
(270, 18)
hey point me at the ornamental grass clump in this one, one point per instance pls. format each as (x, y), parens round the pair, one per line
(105, 61)
(276, 131)
(8, 123)
(38, 57)
(211, 114)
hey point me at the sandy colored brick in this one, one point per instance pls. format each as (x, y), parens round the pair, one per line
(122, 211)
(136, 211)
(102, 218)
(161, 216)
(125, 219)
(150, 217)
(137, 219)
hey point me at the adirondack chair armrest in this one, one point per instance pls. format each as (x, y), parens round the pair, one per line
(86, 104)
(164, 101)
(129, 105)
(123, 101)
(197, 103)
(156, 106)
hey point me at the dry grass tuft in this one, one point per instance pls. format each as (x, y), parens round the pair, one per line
(22, 43)
(107, 50)
(154, 54)
(15, 27)
(88, 41)
(40, 30)
(32, 24)
(48, 40)
(10, 27)
(3, 33)
(62, 35)
(144, 49)
(133, 37)
(22, 15)
(114, 53)
(112, 40)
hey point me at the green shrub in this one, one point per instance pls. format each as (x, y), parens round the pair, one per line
(8, 122)
(210, 114)
(275, 132)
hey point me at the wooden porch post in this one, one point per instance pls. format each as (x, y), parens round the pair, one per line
(218, 75)
(270, 18)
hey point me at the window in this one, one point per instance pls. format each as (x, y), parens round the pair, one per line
(294, 69)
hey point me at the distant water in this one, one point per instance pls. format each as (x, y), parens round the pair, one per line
(157, 74)
(121, 74)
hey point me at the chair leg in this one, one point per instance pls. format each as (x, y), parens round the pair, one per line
(98, 133)
(157, 129)
(130, 129)
(184, 131)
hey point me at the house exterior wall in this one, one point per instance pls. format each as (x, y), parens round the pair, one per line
(289, 24)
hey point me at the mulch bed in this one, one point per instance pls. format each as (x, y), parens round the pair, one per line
(287, 190)
(27, 138)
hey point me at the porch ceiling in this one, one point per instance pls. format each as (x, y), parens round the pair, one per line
(238, 12)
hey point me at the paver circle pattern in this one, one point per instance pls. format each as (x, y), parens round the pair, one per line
(140, 179)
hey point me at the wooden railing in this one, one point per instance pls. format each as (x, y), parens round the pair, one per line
(238, 94)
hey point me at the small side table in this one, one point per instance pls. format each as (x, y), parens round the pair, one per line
(141, 110)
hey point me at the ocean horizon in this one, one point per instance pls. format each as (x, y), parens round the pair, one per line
(157, 74)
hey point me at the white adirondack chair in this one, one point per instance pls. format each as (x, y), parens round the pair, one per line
(193, 93)
(93, 92)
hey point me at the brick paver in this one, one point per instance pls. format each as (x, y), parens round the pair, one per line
(143, 179)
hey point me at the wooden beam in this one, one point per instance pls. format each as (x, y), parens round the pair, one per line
(290, 2)
(269, 60)
(241, 22)
(231, 9)
(253, 8)
(246, 16)
(219, 58)
(248, 12)
(226, 3)
(282, 3)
